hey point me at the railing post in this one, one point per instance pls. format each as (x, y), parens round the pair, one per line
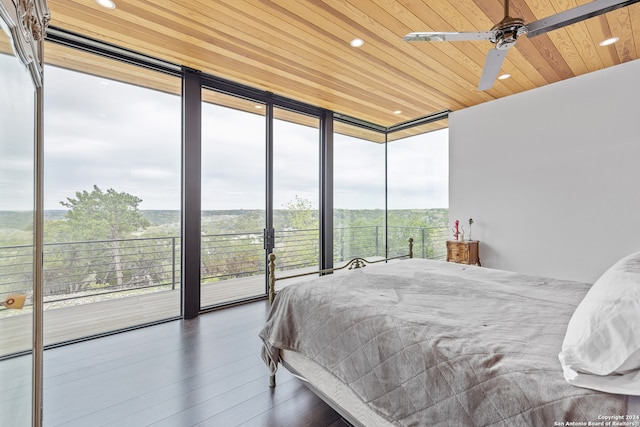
(377, 241)
(173, 263)
(424, 255)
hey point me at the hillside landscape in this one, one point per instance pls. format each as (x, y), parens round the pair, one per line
(15, 226)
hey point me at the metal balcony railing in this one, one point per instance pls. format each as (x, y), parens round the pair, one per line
(92, 269)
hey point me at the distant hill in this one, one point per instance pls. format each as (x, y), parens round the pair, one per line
(228, 220)
(23, 220)
(159, 217)
(16, 220)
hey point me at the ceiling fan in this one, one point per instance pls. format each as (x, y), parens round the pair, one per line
(505, 33)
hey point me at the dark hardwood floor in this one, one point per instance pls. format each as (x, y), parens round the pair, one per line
(201, 372)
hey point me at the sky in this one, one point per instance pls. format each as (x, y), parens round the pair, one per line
(16, 135)
(115, 135)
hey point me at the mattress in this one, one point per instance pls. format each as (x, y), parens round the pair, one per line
(423, 342)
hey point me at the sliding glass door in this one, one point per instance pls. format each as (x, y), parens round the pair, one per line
(296, 155)
(112, 195)
(233, 199)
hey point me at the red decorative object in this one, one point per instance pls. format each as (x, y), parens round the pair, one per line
(456, 231)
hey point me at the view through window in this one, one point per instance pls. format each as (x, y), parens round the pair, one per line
(233, 199)
(113, 194)
(358, 198)
(418, 193)
(409, 177)
(112, 201)
(296, 194)
(17, 168)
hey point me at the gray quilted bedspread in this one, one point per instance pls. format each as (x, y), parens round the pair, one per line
(429, 343)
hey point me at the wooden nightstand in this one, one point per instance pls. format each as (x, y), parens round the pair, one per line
(463, 252)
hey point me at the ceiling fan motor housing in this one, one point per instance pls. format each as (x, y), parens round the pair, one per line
(507, 32)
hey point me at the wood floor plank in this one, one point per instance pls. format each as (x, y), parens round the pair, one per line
(288, 413)
(228, 408)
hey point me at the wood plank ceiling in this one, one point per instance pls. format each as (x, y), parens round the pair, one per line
(300, 48)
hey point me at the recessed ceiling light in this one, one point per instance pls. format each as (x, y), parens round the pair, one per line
(356, 42)
(504, 76)
(607, 42)
(258, 107)
(108, 4)
(397, 112)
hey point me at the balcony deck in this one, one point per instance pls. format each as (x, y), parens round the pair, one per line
(82, 320)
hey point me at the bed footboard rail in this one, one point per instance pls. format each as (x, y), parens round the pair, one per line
(353, 263)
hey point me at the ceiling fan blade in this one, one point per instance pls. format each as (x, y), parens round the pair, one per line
(577, 14)
(492, 65)
(448, 37)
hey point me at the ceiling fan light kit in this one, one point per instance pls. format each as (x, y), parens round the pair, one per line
(506, 32)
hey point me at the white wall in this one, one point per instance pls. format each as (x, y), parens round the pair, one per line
(551, 176)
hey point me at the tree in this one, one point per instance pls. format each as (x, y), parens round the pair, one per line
(298, 241)
(301, 214)
(105, 215)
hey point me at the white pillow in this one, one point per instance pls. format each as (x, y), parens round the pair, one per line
(603, 335)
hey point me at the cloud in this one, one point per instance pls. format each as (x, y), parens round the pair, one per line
(154, 174)
(113, 135)
(128, 138)
(16, 135)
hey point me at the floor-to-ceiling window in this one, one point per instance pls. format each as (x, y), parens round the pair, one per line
(113, 142)
(296, 156)
(418, 193)
(17, 150)
(112, 195)
(233, 199)
(358, 194)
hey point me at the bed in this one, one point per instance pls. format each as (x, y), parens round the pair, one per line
(423, 342)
